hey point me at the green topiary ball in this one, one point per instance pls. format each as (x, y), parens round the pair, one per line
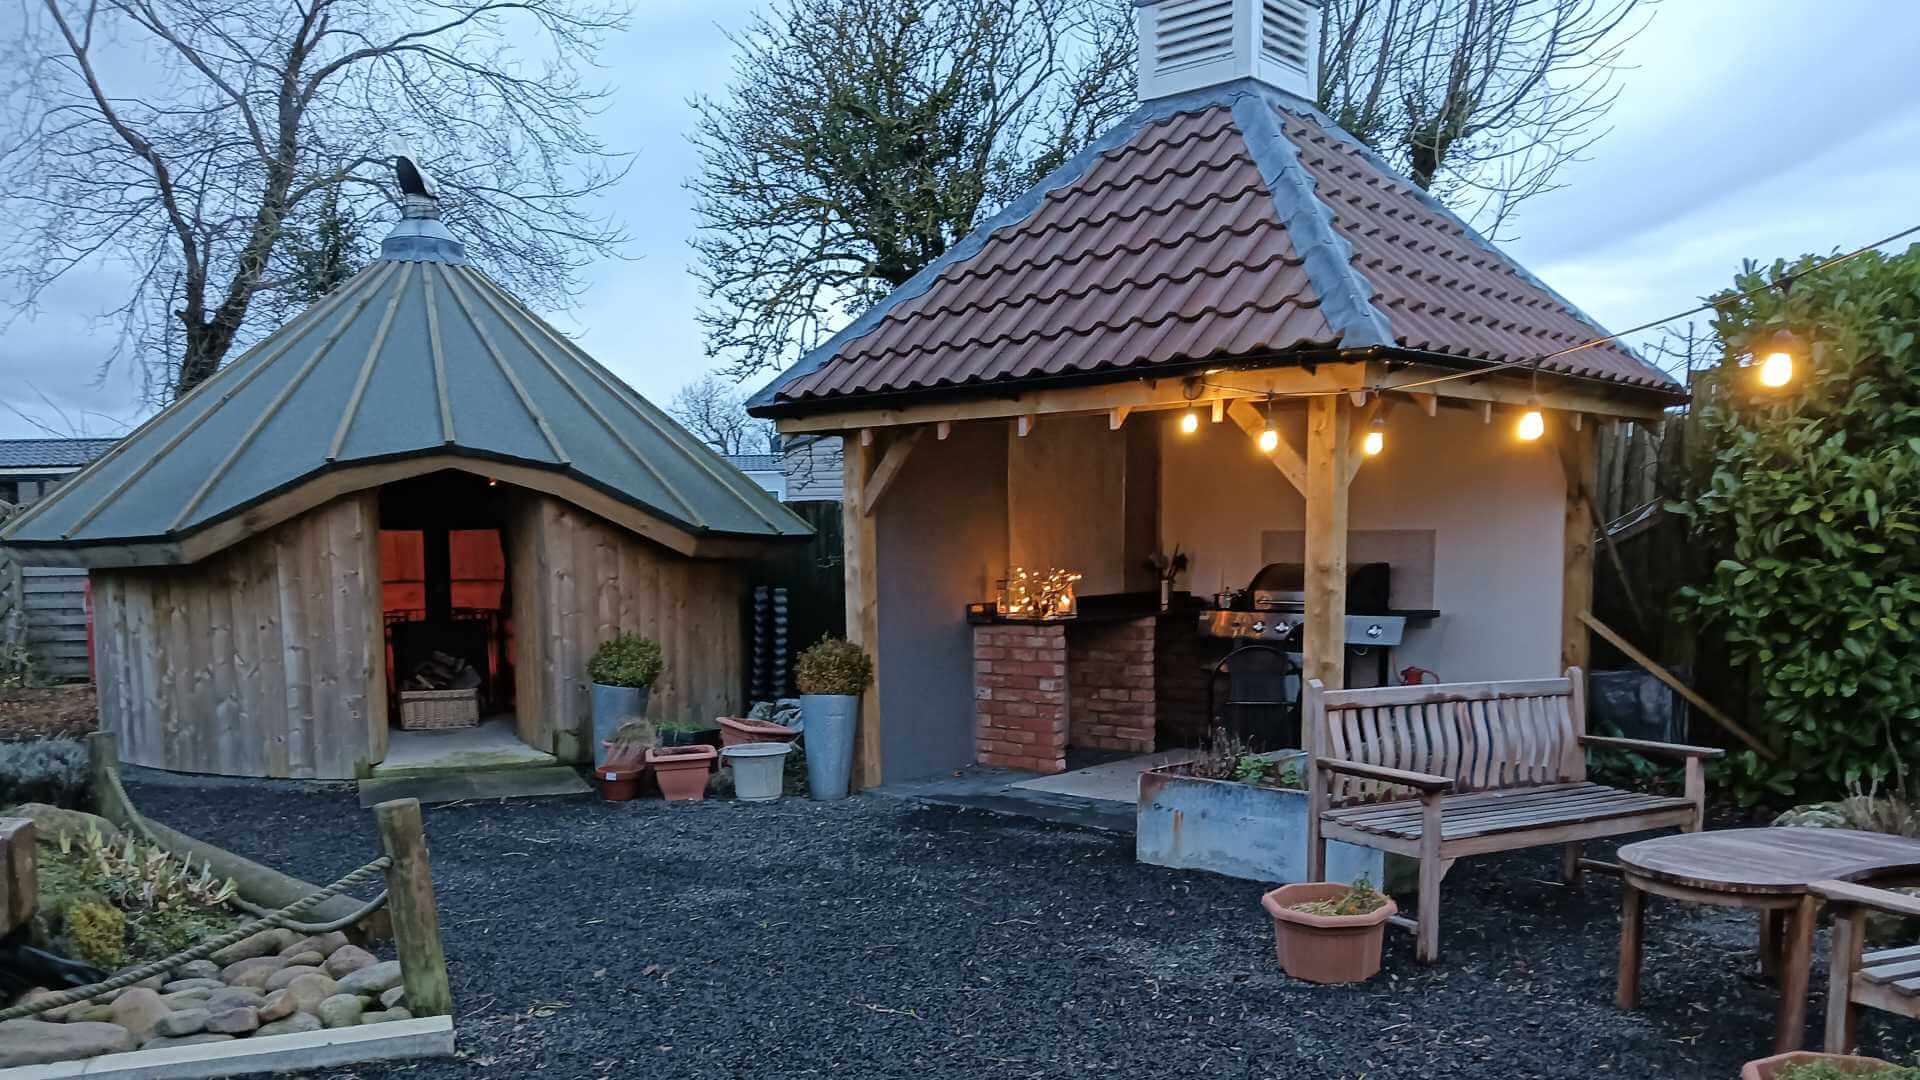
(626, 660)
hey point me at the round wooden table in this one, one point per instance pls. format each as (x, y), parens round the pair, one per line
(1768, 870)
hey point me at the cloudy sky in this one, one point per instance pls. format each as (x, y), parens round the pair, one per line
(1746, 129)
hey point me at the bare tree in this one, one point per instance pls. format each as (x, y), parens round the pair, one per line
(716, 413)
(859, 139)
(190, 139)
(1479, 101)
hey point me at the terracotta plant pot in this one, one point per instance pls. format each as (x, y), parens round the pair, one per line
(618, 783)
(682, 771)
(1325, 948)
(1769, 1067)
(736, 730)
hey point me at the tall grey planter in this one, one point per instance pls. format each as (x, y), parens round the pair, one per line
(613, 706)
(827, 723)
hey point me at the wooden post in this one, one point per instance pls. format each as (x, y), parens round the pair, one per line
(1849, 939)
(1578, 459)
(1328, 448)
(19, 873)
(859, 533)
(1790, 1028)
(416, 922)
(1633, 904)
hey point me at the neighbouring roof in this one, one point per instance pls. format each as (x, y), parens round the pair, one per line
(51, 453)
(1233, 222)
(754, 462)
(419, 354)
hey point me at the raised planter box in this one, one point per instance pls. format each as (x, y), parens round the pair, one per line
(1244, 831)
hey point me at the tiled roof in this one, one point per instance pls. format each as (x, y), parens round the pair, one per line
(1234, 223)
(51, 453)
(753, 462)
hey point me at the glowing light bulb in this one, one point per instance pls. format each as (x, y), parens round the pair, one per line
(1269, 440)
(1776, 370)
(1189, 422)
(1532, 426)
(1375, 442)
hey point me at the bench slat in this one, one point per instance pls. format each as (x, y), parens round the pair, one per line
(1888, 956)
(1894, 972)
(1484, 813)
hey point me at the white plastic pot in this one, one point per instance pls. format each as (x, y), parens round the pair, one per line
(758, 769)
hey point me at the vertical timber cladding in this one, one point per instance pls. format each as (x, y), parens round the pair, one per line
(264, 659)
(579, 580)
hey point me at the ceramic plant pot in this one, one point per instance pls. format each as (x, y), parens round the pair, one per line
(1325, 948)
(829, 721)
(1770, 1067)
(759, 769)
(618, 783)
(681, 771)
(613, 706)
(738, 730)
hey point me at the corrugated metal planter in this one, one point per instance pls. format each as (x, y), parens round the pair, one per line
(1244, 831)
(613, 706)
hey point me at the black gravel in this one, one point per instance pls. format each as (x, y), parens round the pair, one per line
(878, 938)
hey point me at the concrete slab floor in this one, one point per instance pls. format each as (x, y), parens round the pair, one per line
(1000, 791)
(492, 744)
(1112, 781)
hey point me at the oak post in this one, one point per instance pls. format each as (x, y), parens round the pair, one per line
(1328, 449)
(416, 921)
(19, 873)
(1579, 460)
(859, 535)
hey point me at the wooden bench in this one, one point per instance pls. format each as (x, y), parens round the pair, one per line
(1493, 767)
(1888, 979)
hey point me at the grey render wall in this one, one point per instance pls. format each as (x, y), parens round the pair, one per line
(813, 466)
(942, 537)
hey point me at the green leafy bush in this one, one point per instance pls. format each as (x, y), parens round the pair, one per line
(1827, 1070)
(1808, 498)
(833, 666)
(98, 933)
(626, 660)
(45, 771)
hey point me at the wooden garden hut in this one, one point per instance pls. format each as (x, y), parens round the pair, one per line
(1230, 329)
(415, 464)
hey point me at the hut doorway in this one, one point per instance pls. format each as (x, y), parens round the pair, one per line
(446, 605)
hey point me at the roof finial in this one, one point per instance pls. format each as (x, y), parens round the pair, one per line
(419, 237)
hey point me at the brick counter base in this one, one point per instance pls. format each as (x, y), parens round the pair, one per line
(1020, 696)
(1110, 679)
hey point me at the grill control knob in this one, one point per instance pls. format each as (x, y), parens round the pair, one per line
(1259, 627)
(1374, 630)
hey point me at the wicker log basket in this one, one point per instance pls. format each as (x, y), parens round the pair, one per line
(438, 710)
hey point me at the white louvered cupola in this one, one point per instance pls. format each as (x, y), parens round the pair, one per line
(1191, 44)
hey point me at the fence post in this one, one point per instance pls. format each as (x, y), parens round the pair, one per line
(416, 922)
(19, 873)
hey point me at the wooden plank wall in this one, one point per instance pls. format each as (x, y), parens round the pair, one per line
(577, 581)
(55, 601)
(262, 660)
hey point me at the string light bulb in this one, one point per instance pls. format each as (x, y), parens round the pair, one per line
(1269, 439)
(1189, 422)
(1532, 423)
(1376, 438)
(1776, 366)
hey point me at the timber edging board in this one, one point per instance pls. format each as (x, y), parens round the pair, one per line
(392, 1040)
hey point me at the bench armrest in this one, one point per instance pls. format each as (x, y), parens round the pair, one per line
(1652, 749)
(1427, 783)
(1846, 892)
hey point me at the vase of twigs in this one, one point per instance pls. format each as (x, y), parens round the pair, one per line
(1326, 932)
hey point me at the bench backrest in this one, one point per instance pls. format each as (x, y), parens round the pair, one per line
(1482, 735)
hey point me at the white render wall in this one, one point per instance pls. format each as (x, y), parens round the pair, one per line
(1495, 507)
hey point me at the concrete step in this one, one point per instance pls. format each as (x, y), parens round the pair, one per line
(446, 787)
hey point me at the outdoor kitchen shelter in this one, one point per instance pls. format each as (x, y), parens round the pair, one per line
(416, 464)
(1226, 328)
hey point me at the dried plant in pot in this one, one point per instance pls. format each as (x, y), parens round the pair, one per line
(832, 674)
(623, 669)
(1808, 1065)
(1326, 932)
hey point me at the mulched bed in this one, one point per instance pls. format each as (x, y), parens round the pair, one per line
(43, 711)
(877, 938)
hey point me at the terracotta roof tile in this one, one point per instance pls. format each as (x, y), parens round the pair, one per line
(1169, 245)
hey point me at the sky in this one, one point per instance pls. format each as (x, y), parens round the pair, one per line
(1744, 129)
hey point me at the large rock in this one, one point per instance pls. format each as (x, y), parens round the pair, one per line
(197, 969)
(342, 1010)
(52, 822)
(324, 944)
(310, 990)
(279, 1005)
(385, 1015)
(393, 997)
(308, 958)
(37, 1042)
(138, 1009)
(183, 1022)
(252, 971)
(348, 959)
(377, 979)
(264, 943)
(179, 985)
(186, 999)
(283, 978)
(298, 1022)
(234, 997)
(234, 1021)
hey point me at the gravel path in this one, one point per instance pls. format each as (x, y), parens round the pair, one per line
(876, 938)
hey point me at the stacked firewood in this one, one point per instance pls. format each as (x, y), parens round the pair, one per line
(442, 671)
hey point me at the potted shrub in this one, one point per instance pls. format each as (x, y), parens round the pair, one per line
(623, 670)
(625, 759)
(1325, 932)
(831, 675)
(1807, 1065)
(681, 771)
